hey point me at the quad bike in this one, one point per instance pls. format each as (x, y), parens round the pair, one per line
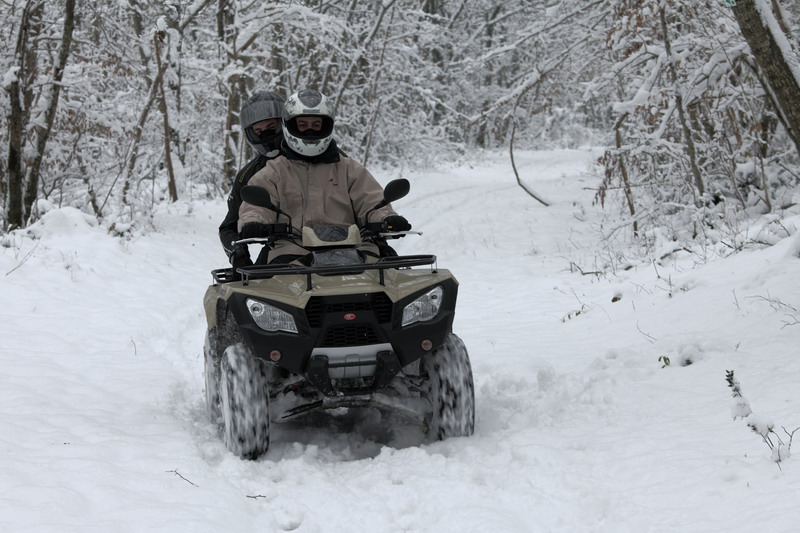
(284, 339)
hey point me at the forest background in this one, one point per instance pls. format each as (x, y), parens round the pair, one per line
(115, 106)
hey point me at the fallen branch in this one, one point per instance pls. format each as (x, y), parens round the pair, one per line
(180, 476)
(514, 166)
(27, 256)
(573, 266)
(647, 335)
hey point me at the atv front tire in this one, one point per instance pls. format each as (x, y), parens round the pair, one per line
(450, 390)
(225, 333)
(244, 402)
(211, 374)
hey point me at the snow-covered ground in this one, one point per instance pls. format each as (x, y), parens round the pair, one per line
(580, 425)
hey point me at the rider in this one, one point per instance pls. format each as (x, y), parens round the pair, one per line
(260, 119)
(313, 182)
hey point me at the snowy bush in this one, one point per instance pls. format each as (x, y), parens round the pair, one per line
(780, 450)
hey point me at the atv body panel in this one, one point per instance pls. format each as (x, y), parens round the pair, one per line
(344, 321)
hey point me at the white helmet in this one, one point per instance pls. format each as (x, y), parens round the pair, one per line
(308, 102)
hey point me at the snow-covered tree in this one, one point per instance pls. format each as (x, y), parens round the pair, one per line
(147, 110)
(33, 82)
(695, 133)
(763, 25)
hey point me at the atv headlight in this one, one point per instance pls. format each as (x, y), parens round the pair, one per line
(270, 318)
(423, 308)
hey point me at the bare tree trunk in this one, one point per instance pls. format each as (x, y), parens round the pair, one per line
(757, 23)
(357, 65)
(162, 105)
(230, 162)
(14, 216)
(134, 149)
(138, 27)
(184, 19)
(687, 131)
(482, 137)
(372, 92)
(226, 34)
(177, 87)
(623, 170)
(19, 96)
(43, 130)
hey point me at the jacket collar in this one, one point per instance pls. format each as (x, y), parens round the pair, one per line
(330, 155)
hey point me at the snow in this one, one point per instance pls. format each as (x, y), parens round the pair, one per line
(581, 426)
(10, 77)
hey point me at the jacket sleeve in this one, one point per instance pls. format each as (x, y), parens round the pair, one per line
(251, 213)
(365, 192)
(228, 230)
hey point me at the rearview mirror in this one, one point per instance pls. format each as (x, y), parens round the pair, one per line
(396, 189)
(252, 194)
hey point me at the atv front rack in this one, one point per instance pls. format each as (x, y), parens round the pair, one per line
(245, 274)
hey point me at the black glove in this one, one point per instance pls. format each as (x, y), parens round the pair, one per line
(252, 230)
(396, 223)
(240, 257)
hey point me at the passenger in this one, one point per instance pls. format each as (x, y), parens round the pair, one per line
(260, 120)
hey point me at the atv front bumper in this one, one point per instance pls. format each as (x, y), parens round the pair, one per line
(350, 334)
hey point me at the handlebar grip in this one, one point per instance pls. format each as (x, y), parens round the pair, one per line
(374, 227)
(275, 229)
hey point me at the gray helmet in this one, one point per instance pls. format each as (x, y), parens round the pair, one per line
(308, 102)
(262, 105)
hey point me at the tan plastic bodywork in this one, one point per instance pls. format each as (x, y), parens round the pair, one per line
(291, 289)
(310, 239)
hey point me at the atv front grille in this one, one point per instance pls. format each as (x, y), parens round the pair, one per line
(319, 306)
(350, 335)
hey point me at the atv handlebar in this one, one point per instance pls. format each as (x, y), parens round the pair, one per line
(397, 234)
(273, 232)
(379, 230)
(270, 233)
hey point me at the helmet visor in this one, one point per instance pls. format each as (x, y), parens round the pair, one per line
(260, 110)
(312, 135)
(266, 136)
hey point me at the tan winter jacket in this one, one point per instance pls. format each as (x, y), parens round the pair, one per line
(316, 195)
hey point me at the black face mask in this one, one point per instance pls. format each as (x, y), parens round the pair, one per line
(312, 135)
(266, 136)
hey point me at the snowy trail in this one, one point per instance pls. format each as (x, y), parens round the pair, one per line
(103, 427)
